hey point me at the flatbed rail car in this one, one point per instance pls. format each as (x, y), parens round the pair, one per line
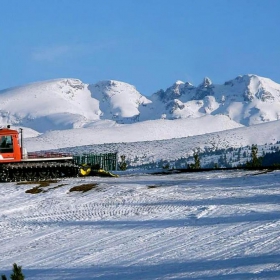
(17, 165)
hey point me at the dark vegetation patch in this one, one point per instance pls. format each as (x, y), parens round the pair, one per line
(44, 186)
(83, 188)
(40, 186)
(152, 187)
(34, 190)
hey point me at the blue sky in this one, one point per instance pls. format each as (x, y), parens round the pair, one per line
(147, 43)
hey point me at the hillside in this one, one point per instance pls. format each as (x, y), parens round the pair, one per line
(102, 132)
(145, 152)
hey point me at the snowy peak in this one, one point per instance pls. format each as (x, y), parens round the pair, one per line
(177, 90)
(204, 89)
(205, 83)
(263, 89)
(247, 99)
(255, 87)
(48, 105)
(70, 86)
(171, 93)
(117, 100)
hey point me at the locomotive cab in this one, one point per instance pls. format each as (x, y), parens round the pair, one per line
(10, 150)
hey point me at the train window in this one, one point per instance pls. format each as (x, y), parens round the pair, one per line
(6, 144)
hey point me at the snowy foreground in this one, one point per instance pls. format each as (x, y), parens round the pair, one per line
(211, 225)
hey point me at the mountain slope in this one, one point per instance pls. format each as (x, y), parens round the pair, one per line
(55, 104)
(110, 132)
(266, 135)
(118, 101)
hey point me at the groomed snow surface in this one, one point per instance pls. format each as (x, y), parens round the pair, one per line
(207, 225)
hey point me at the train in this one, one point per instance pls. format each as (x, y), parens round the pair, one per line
(17, 165)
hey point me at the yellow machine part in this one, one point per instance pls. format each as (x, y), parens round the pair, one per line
(86, 170)
(103, 172)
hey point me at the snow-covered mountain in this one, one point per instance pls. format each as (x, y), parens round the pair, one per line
(69, 103)
(247, 99)
(118, 101)
(49, 105)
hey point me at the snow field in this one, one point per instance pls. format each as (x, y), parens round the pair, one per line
(210, 225)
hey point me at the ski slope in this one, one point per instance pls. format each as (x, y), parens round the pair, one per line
(208, 225)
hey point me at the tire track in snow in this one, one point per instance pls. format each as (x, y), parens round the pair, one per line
(107, 229)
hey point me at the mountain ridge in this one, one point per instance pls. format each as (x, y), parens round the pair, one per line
(70, 103)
